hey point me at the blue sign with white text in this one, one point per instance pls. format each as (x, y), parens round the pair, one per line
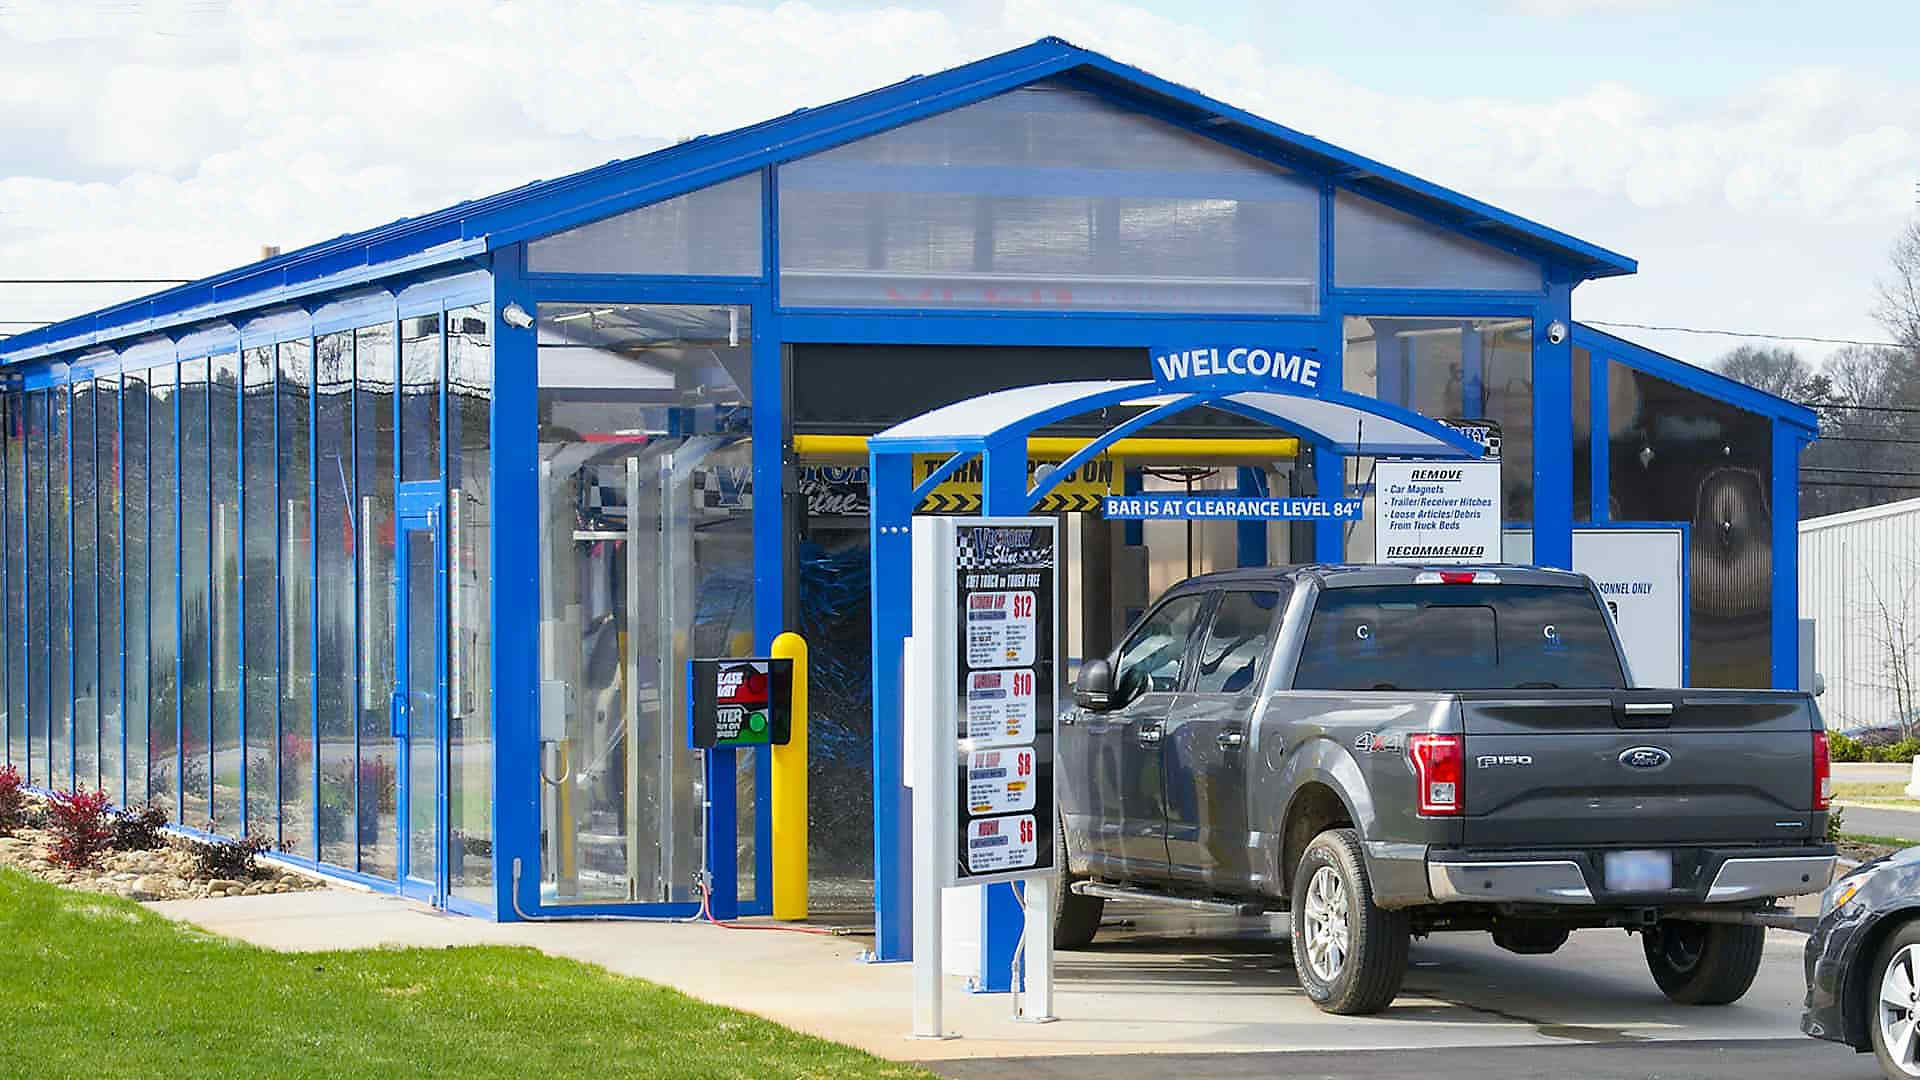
(1183, 507)
(1286, 371)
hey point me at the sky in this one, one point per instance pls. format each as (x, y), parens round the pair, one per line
(1757, 158)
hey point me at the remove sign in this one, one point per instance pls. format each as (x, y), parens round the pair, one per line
(1000, 781)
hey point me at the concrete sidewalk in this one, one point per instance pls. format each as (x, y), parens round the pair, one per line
(1161, 984)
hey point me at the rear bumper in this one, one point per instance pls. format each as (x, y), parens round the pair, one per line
(1701, 876)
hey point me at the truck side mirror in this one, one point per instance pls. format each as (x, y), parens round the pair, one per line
(1819, 684)
(1093, 690)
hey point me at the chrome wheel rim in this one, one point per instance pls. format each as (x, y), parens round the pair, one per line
(1328, 926)
(1899, 1004)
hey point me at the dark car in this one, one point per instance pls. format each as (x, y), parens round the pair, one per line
(1863, 963)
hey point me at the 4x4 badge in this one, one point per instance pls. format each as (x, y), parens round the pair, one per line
(1380, 742)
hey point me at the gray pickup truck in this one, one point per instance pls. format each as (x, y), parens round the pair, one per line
(1389, 751)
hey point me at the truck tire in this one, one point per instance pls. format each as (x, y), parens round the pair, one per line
(1076, 918)
(1349, 955)
(1703, 963)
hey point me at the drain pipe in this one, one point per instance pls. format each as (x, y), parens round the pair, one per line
(522, 913)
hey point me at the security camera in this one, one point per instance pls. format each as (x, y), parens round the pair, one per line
(1556, 333)
(516, 316)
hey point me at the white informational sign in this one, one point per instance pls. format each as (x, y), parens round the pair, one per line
(1000, 707)
(999, 844)
(1641, 573)
(1436, 511)
(1000, 781)
(1000, 629)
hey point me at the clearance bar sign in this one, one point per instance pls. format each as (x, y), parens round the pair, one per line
(1228, 507)
(960, 492)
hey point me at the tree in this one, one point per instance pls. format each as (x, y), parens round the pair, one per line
(1779, 371)
(1898, 307)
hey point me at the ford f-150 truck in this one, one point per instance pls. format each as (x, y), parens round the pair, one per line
(1388, 751)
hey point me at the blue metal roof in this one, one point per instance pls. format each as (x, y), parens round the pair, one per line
(469, 230)
(1711, 383)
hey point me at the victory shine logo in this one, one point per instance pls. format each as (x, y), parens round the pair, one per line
(1235, 363)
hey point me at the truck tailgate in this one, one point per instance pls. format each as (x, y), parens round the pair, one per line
(1637, 767)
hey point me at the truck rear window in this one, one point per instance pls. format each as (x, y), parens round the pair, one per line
(1458, 637)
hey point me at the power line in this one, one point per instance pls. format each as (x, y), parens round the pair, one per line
(1863, 484)
(1742, 334)
(1863, 408)
(1858, 472)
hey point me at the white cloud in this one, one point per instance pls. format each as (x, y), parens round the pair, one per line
(178, 139)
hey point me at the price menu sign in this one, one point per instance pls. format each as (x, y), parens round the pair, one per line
(1005, 573)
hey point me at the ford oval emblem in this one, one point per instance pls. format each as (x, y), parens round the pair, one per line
(1645, 757)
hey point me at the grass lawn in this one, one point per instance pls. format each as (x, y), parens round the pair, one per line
(94, 986)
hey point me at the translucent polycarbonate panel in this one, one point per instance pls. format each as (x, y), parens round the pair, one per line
(336, 596)
(645, 496)
(15, 434)
(1678, 455)
(419, 609)
(223, 591)
(133, 425)
(1477, 370)
(1376, 246)
(196, 600)
(1582, 427)
(36, 676)
(163, 585)
(714, 231)
(374, 408)
(260, 546)
(420, 364)
(86, 599)
(304, 822)
(470, 595)
(1047, 198)
(59, 775)
(110, 482)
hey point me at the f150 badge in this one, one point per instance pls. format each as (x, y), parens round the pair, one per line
(1494, 761)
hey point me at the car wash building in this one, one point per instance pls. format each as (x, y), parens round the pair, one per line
(394, 549)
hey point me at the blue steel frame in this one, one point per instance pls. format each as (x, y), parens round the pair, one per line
(474, 253)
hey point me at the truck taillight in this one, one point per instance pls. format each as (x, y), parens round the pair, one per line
(1439, 764)
(1822, 772)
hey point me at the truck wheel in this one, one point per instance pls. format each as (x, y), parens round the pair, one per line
(1349, 955)
(1076, 918)
(1703, 963)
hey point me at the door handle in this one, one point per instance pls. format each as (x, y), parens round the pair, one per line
(1149, 735)
(1230, 740)
(398, 714)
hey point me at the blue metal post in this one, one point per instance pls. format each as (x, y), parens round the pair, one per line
(1553, 432)
(1785, 462)
(1250, 537)
(1329, 481)
(240, 557)
(512, 604)
(1003, 493)
(890, 521)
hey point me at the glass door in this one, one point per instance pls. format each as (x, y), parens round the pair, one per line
(419, 713)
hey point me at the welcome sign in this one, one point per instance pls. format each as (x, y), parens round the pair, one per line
(1248, 367)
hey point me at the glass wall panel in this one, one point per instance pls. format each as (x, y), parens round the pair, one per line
(60, 588)
(1677, 455)
(86, 611)
(1582, 421)
(223, 427)
(1448, 368)
(644, 511)
(716, 230)
(336, 598)
(1047, 198)
(300, 814)
(420, 361)
(470, 638)
(1375, 246)
(133, 429)
(196, 607)
(261, 546)
(16, 579)
(38, 675)
(110, 478)
(373, 420)
(163, 585)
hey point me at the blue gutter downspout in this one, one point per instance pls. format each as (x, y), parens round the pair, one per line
(513, 604)
(1553, 431)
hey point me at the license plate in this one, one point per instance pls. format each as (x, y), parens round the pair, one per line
(1639, 871)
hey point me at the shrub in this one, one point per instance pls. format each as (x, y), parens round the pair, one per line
(80, 829)
(229, 859)
(13, 801)
(1844, 748)
(1833, 825)
(379, 787)
(139, 830)
(295, 750)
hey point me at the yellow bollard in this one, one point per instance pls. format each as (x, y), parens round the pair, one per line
(789, 795)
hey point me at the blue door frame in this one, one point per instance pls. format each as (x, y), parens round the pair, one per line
(419, 708)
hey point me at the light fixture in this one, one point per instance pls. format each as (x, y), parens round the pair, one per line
(516, 316)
